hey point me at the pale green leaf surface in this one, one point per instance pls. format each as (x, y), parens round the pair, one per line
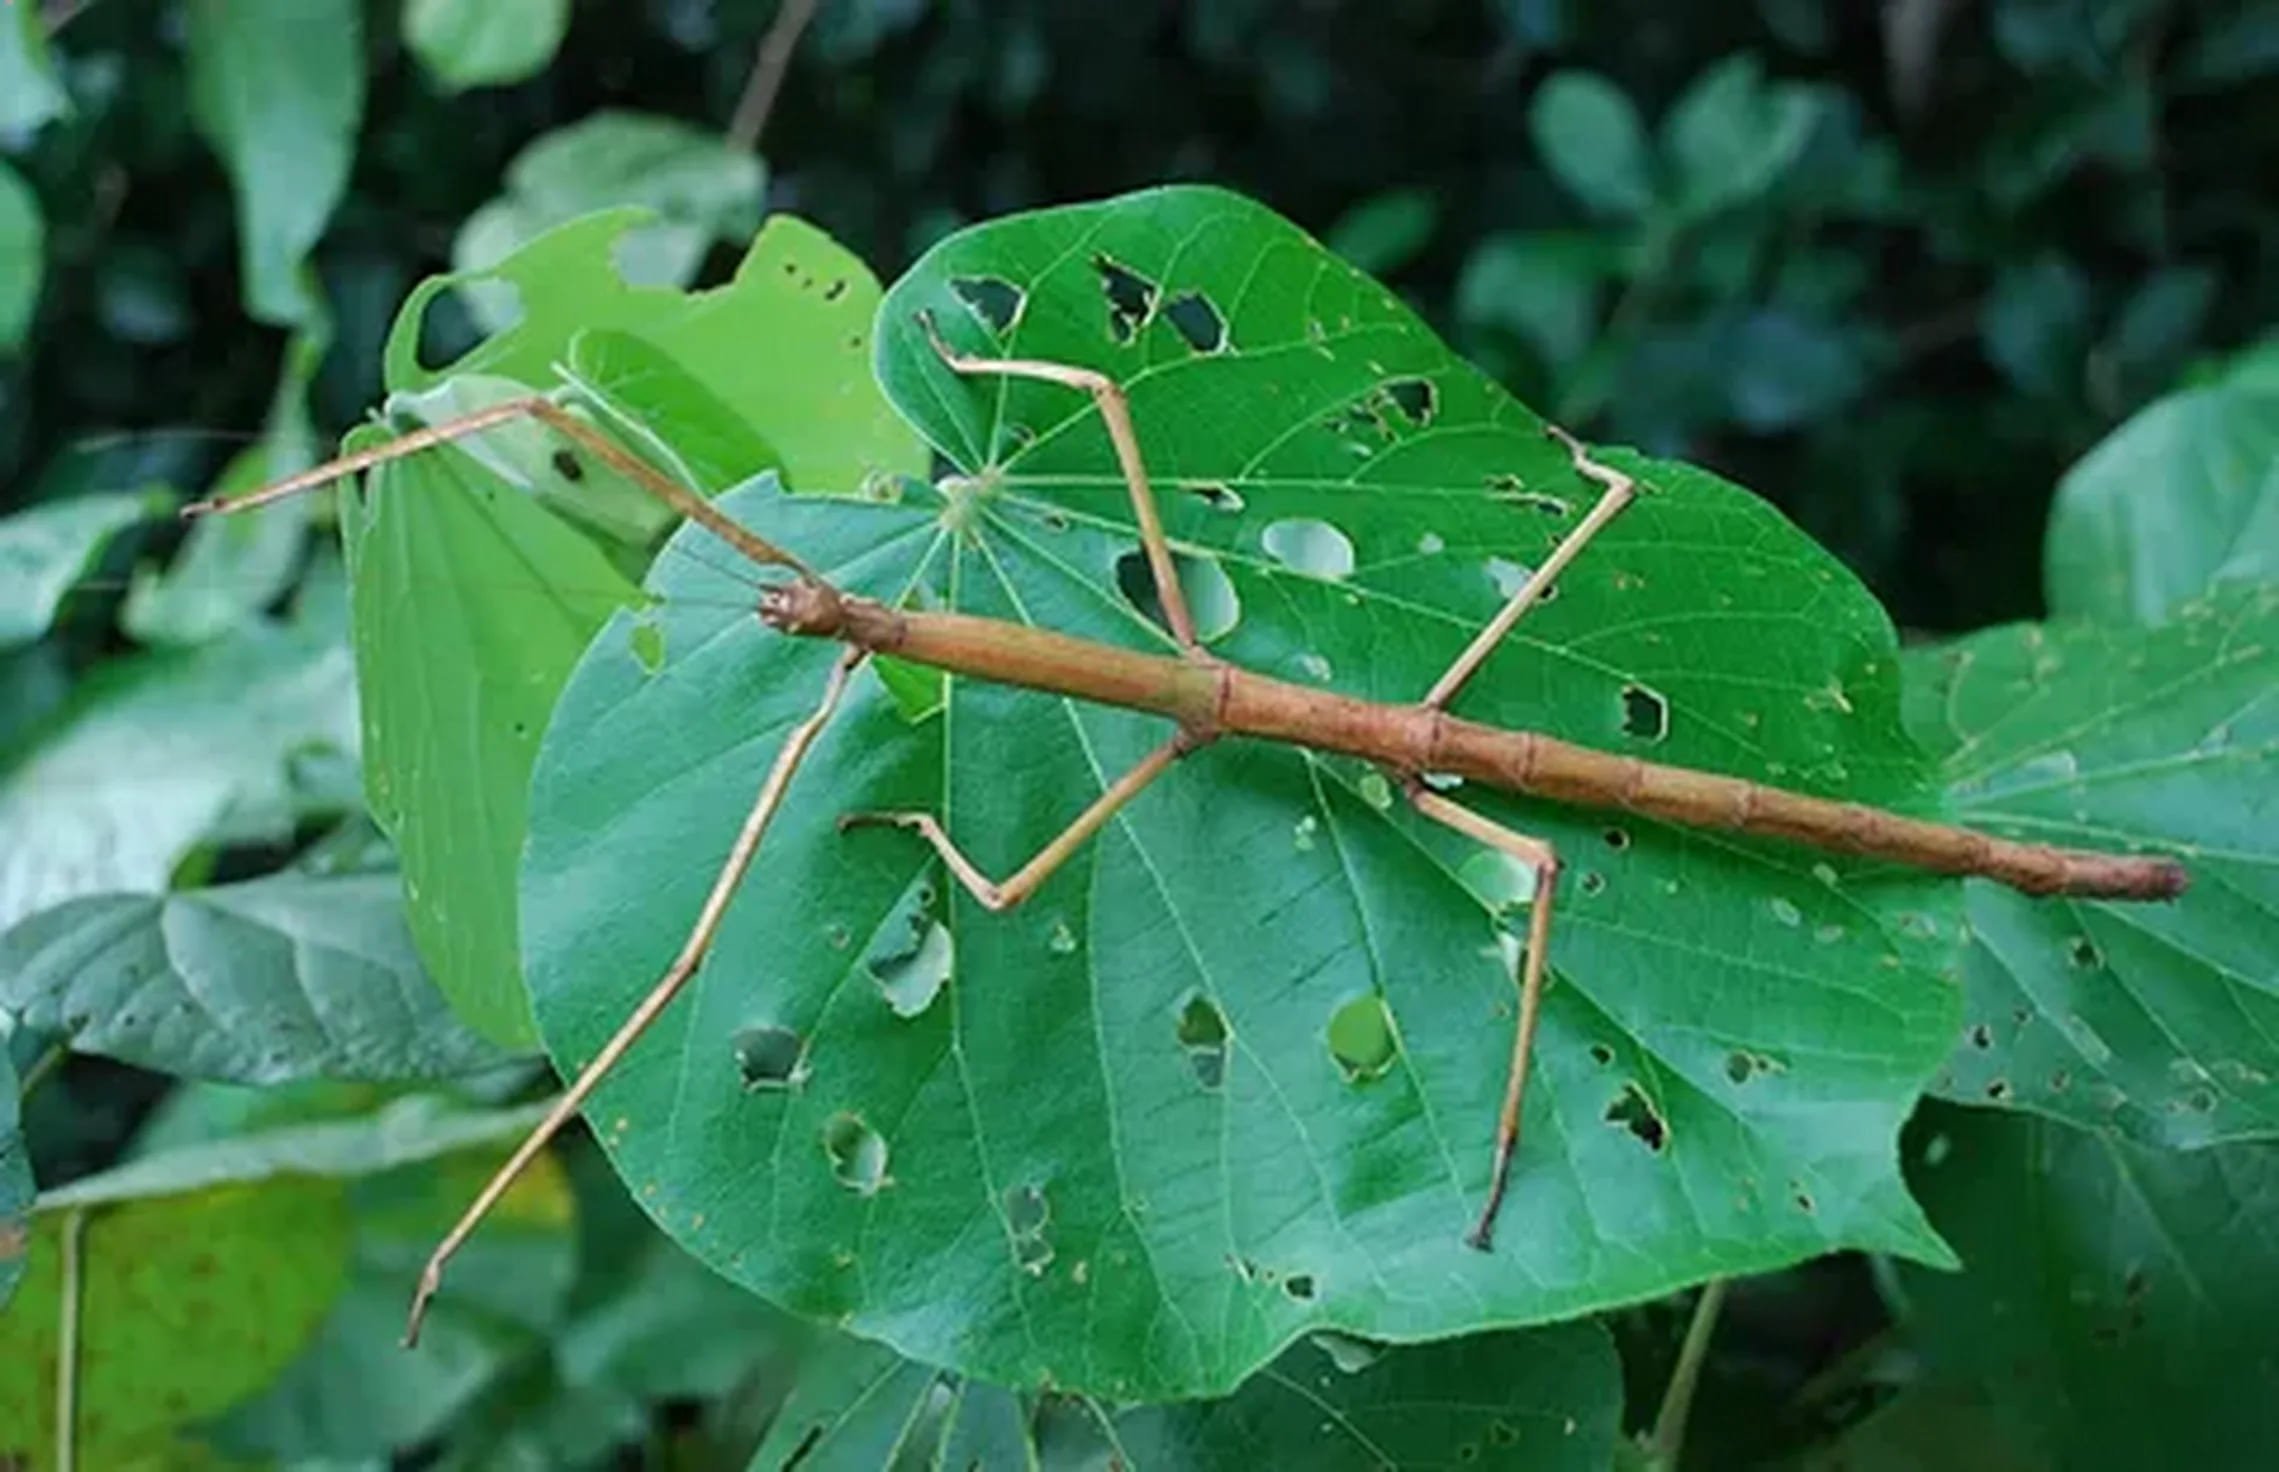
(1735, 1035)
(2182, 496)
(30, 94)
(484, 43)
(698, 188)
(23, 252)
(164, 752)
(1591, 139)
(277, 89)
(472, 602)
(264, 982)
(2162, 1019)
(1732, 135)
(45, 549)
(2118, 1301)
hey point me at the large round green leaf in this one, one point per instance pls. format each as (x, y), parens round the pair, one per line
(1125, 1148)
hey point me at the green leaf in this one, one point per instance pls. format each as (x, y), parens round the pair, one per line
(23, 254)
(205, 1271)
(2159, 1019)
(231, 568)
(473, 601)
(16, 1185)
(1550, 1398)
(700, 189)
(162, 753)
(277, 89)
(2184, 495)
(279, 979)
(484, 43)
(29, 92)
(1385, 231)
(1203, 1203)
(2119, 1300)
(1731, 136)
(47, 548)
(2036, 326)
(1591, 139)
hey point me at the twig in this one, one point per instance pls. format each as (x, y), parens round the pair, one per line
(67, 1347)
(1677, 1401)
(760, 88)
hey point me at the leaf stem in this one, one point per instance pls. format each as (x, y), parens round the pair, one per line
(67, 1346)
(1677, 1401)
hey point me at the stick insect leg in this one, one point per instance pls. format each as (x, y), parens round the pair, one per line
(1116, 414)
(1025, 880)
(1544, 860)
(681, 499)
(660, 996)
(1616, 491)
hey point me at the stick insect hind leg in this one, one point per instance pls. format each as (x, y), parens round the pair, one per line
(1616, 490)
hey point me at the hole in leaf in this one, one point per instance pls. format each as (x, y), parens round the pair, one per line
(912, 974)
(1415, 398)
(568, 466)
(1998, 1090)
(1218, 497)
(1635, 1113)
(1497, 880)
(1601, 1054)
(1510, 577)
(1350, 1355)
(1739, 1067)
(1803, 1200)
(1197, 321)
(1026, 1210)
(1202, 1032)
(1616, 839)
(1362, 1040)
(997, 302)
(1593, 882)
(648, 644)
(1299, 1286)
(1211, 598)
(770, 1058)
(1981, 1036)
(1131, 298)
(1034, 1254)
(1502, 1433)
(1645, 713)
(1312, 547)
(2083, 953)
(857, 1153)
(1785, 910)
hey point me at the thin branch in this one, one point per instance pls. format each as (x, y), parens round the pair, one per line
(1677, 1401)
(774, 59)
(67, 1346)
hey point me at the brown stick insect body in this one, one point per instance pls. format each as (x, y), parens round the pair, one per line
(1209, 699)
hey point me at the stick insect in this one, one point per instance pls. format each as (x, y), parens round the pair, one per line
(1208, 699)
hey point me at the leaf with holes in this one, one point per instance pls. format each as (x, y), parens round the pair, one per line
(2159, 1020)
(281, 978)
(2118, 1305)
(1121, 1149)
(1550, 1398)
(473, 597)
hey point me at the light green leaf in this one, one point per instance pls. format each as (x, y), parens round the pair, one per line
(165, 752)
(47, 548)
(16, 1186)
(230, 568)
(484, 43)
(699, 188)
(2118, 1305)
(1736, 1032)
(1732, 136)
(1590, 137)
(29, 92)
(206, 1270)
(473, 601)
(2036, 326)
(2182, 496)
(277, 88)
(1551, 1398)
(23, 254)
(278, 979)
(2161, 1020)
